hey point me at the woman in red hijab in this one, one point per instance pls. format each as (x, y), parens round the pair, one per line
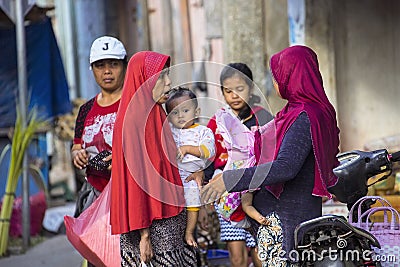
(297, 154)
(146, 191)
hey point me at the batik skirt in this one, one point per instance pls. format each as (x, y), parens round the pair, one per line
(167, 240)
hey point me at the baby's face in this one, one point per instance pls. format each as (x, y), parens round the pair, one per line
(183, 113)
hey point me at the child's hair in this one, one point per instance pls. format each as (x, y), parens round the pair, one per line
(240, 69)
(245, 73)
(178, 92)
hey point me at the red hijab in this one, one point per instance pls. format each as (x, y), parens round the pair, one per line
(296, 71)
(145, 183)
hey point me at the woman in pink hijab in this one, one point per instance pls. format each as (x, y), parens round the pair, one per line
(297, 152)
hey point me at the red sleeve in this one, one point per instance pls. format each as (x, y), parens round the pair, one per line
(221, 155)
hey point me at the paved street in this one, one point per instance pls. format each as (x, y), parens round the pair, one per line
(54, 252)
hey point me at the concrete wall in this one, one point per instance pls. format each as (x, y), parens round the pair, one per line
(356, 46)
(355, 41)
(319, 36)
(276, 38)
(242, 31)
(366, 38)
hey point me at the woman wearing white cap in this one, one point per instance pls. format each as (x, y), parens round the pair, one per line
(95, 121)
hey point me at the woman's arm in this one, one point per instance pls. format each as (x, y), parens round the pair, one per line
(250, 210)
(294, 150)
(78, 154)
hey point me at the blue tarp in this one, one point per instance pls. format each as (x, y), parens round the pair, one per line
(47, 83)
(47, 88)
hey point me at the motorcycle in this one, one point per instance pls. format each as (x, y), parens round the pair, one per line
(330, 241)
(356, 168)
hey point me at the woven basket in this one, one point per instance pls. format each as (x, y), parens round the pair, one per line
(387, 232)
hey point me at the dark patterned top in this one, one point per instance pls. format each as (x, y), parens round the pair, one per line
(80, 120)
(294, 166)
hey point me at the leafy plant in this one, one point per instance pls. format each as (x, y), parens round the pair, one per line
(22, 137)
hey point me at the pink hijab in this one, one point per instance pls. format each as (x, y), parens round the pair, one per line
(296, 71)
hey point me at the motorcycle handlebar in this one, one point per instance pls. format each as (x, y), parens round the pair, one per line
(395, 156)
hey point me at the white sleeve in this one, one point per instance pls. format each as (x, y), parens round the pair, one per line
(207, 139)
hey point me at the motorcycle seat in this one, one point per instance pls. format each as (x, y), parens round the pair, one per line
(333, 220)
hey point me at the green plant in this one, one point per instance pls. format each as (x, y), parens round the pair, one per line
(22, 137)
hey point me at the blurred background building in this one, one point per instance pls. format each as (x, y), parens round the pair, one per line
(356, 42)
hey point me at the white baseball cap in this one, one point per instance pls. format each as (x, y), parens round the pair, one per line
(106, 47)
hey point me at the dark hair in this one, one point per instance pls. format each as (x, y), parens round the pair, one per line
(245, 73)
(240, 69)
(179, 92)
(124, 62)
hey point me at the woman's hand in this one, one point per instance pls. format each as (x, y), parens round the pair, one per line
(145, 248)
(108, 158)
(198, 177)
(80, 158)
(213, 190)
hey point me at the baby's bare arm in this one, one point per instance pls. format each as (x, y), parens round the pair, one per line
(187, 149)
(250, 210)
